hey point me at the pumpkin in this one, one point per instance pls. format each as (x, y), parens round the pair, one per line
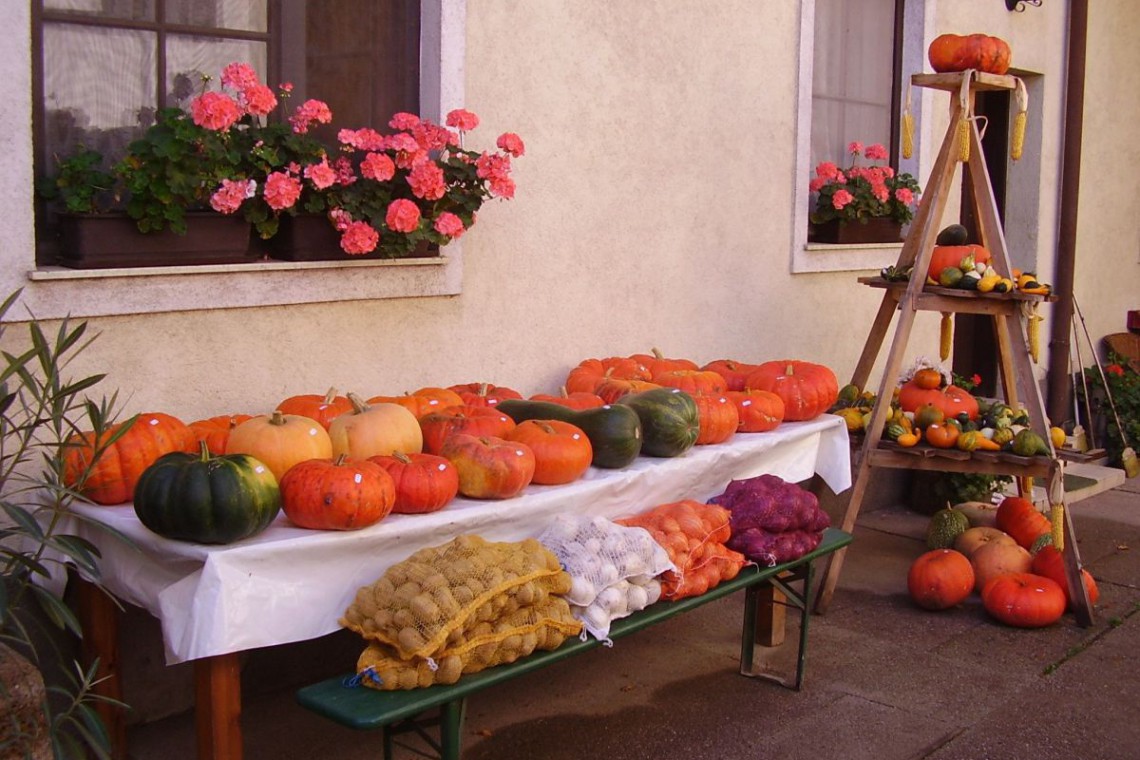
(324, 409)
(614, 430)
(972, 539)
(107, 471)
(340, 494)
(444, 396)
(375, 429)
(952, 400)
(717, 416)
(206, 499)
(489, 467)
(483, 394)
(591, 372)
(576, 400)
(670, 423)
(951, 256)
(423, 482)
(757, 411)
(927, 378)
(1024, 600)
(417, 405)
(996, 558)
(473, 420)
(655, 362)
(562, 451)
(940, 579)
(280, 441)
(215, 431)
(954, 52)
(612, 389)
(807, 390)
(734, 373)
(1050, 563)
(941, 436)
(692, 381)
(1021, 519)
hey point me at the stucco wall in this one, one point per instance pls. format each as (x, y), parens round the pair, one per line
(653, 209)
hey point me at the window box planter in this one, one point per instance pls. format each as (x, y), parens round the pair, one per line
(105, 241)
(311, 237)
(881, 229)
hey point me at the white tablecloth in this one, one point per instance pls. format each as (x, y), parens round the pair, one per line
(289, 584)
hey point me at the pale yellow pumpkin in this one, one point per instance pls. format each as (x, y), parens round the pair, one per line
(375, 430)
(280, 441)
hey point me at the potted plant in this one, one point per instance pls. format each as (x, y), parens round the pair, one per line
(40, 409)
(861, 204)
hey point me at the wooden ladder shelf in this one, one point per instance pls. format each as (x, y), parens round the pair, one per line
(908, 298)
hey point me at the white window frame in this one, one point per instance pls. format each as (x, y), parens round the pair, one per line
(820, 257)
(54, 292)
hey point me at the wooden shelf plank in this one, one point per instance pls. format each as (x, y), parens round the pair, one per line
(952, 81)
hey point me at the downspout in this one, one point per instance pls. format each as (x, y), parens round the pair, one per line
(1059, 384)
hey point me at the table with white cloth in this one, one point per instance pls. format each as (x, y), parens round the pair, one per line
(288, 584)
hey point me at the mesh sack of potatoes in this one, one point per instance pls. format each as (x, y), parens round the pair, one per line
(432, 599)
(694, 536)
(526, 630)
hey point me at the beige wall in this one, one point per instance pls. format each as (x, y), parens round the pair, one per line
(654, 209)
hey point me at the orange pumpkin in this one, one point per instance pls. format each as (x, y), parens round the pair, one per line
(941, 435)
(940, 579)
(577, 400)
(1022, 520)
(489, 467)
(437, 427)
(691, 381)
(952, 400)
(423, 482)
(952, 255)
(215, 431)
(1050, 563)
(324, 409)
(717, 416)
(734, 373)
(657, 362)
(1024, 600)
(611, 389)
(757, 411)
(591, 372)
(807, 390)
(954, 52)
(483, 394)
(928, 379)
(107, 473)
(997, 558)
(280, 441)
(374, 430)
(324, 494)
(562, 452)
(444, 396)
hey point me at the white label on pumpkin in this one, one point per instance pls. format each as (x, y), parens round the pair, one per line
(357, 478)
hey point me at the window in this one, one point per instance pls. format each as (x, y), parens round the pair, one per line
(104, 66)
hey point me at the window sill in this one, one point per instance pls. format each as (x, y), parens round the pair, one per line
(56, 292)
(827, 257)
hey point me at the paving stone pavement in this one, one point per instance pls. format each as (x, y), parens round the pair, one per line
(885, 680)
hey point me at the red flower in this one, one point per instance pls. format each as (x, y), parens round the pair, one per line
(1115, 369)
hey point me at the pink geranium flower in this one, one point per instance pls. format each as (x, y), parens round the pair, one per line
(359, 238)
(309, 113)
(426, 181)
(449, 224)
(904, 196)
(404, 121)
(215, 111)
(511, 143)
(258, 100)
(492, 166)
(875, 152)
(403, 216)
(854, 148)
(281, 191)
(841, 199)
(377, 166)
(321, 175)
(228, 198)
(239, 76)
(463, 120)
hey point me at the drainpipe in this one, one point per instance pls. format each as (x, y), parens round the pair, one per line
(1059, 385)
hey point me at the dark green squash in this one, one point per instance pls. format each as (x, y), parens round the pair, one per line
(614, 431)
(953, 234)
(207, 499)
(670, 422)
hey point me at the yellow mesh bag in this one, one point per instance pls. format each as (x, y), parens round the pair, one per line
(517, 635)
(438, 596)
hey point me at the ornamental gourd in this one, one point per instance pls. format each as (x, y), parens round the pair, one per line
(107, 471)
(207, 499)
(945, 256)
(807, 390)
(954, 52)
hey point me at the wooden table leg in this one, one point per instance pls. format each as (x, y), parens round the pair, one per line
(217, 707)
(771, 616)
(99, 617)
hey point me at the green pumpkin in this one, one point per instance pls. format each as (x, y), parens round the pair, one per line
(614, 431)
(205, 499)
(670, 422)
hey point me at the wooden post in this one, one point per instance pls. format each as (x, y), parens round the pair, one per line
(217, 707)
(99, 617)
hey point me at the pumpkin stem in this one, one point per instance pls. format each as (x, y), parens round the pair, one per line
(545, 427)
(204, 450)
(657, 353)
(482, 389)
(278, 418)
(331, 395)
(789, 370)
(564, 393)
(402, 457)
(340, 460)
(359, 405)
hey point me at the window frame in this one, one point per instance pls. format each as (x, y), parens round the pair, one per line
(53, 292)
(909, 57)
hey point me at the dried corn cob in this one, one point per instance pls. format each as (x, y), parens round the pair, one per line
(1033, 333)
(907, 128)
(964, 140)
(945, 336)
(1057, 523)
(1017, 141)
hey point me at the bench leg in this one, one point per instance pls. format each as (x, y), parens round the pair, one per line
(449, 722)
(758, 601)
(451, 717)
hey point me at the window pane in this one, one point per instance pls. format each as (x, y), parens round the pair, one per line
(188, 59)
(135, 10)
(82, 104)
(246, 15)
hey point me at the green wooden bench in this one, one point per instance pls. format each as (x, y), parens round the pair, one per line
(344, 700)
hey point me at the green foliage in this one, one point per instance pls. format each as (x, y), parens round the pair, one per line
(1124, 386)
(80, 185)
(41, 408)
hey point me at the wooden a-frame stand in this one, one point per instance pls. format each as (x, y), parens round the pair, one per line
(908, 298)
